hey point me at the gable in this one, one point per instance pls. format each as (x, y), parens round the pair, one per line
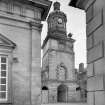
(4, 41)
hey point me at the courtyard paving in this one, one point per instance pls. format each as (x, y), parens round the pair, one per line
(66, 104)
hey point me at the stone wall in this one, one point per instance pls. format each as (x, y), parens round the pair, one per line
(22, 25)
(54, 54)
(95, 52)
(95, 20)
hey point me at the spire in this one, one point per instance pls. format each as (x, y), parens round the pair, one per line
(56, 6)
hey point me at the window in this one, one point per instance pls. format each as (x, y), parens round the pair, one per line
(6, 60)
(3, 77)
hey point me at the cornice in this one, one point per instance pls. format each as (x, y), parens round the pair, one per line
(34, 24)
(42, 4)
(57, 50)
(57, 37)
(73, 3)
(79, 3)
(58, 81)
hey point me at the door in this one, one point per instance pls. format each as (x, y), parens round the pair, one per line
(62, 93)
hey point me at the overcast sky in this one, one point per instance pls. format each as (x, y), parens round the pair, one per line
(75, 25)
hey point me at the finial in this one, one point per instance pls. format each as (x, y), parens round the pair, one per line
(56, 6)
(70, 35)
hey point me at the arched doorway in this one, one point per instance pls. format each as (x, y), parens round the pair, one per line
(44, 95)
(62, 93)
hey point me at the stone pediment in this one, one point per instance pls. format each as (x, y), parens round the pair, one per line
(5, 42)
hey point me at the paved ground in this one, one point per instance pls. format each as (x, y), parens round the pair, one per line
(66, 104)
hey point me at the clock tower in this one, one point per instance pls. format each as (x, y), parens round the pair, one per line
(58, 74)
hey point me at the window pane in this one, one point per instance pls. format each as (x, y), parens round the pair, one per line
(3, 66)
(3, 80)
(2, 95)
(3, 73)
(3, 59)
(2, 87)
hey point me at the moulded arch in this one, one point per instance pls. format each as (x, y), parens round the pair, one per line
(62, 91)
(44, 88)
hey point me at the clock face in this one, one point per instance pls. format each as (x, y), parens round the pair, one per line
(60, 21)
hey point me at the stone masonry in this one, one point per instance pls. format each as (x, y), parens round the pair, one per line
(20, 22)
(95, 21)
(58, 77)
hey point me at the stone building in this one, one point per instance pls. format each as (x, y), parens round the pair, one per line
(95, 33)
(20, 40)
(81, 76)
(58, 74)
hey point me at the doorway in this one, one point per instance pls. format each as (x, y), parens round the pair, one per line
(44, 95)
(62, 93)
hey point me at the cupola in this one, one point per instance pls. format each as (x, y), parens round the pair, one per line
(57, 21)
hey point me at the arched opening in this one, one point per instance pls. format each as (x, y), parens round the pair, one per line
(62, 93)
(44, 95)
(78, 92)
(44, 88)
(78, 89)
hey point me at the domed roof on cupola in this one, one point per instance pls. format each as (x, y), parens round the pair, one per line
(56, 6)
(57, 12)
